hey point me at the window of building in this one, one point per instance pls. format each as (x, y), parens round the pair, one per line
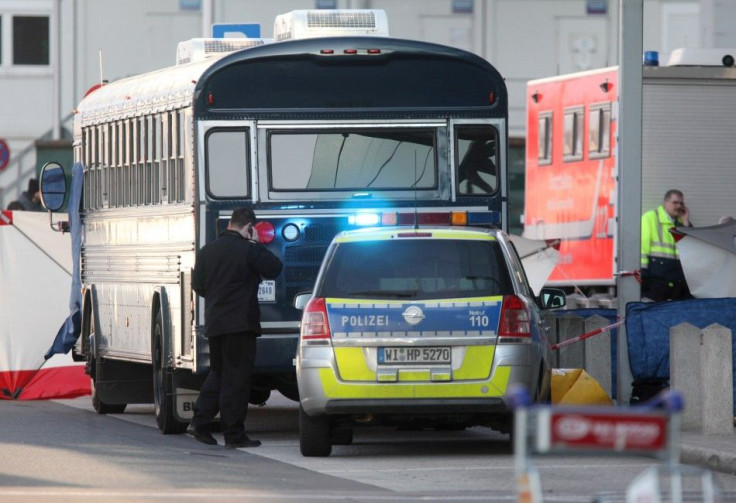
(599, 133)
(573, 134)
(31, 40)
(544, 140)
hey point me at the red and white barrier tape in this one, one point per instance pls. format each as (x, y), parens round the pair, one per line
(586, 335)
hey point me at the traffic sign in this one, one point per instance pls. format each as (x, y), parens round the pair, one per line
(249, 30)
(4, 155)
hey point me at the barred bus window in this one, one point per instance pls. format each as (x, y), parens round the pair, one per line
(171, 182)
(147, 159)
(165, 153)
(180, 156)
(113, 166)
(156, 167)
(140, 181)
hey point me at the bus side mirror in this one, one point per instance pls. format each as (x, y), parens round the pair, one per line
(550, 298)
(53, 192)
(53, 186)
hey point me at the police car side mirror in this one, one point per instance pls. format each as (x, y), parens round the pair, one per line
(301, 299)
(550, 298)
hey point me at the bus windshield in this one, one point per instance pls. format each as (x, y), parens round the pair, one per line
(353, 159)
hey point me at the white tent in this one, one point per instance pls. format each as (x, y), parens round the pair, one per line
(708, 258)
(538, 258)
(35, 280)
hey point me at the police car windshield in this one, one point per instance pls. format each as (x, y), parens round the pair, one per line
(416, 269)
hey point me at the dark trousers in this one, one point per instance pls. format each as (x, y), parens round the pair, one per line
(227, 387)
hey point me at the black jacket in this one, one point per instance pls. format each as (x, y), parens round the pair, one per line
(226, 273)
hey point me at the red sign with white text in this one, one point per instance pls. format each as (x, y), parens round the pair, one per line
(617, 432)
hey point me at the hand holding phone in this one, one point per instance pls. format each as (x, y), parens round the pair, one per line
(252, 233)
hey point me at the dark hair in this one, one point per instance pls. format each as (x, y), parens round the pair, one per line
(673, 192)
(242, 217)
(16, 205)
(32, 186)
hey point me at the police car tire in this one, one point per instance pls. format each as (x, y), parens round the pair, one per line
(314, 435)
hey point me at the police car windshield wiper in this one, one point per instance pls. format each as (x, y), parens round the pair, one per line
(392, 294)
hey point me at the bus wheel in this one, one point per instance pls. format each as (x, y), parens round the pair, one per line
(94, 372)
(314, 435)
(163, 385)
(100, 406)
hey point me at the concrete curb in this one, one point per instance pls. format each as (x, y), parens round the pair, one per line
(716, 459)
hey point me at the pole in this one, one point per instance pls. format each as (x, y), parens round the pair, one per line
(628, 210)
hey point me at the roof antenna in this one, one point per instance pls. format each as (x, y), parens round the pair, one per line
(416, 216)
(102, 80)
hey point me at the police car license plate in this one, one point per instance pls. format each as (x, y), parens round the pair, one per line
(433, 354)
(267, 291)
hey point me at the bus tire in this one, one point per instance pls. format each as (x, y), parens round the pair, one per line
(100, 406)
(314, 435)
(163, 385)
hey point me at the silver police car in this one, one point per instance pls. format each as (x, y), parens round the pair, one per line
(418, 327)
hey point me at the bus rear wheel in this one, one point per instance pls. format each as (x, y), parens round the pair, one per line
(102, 407)
(88, 333)
(163, 385)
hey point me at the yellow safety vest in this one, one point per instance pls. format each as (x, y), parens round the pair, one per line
(656, 238)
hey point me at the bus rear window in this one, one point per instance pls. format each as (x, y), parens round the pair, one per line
(377, 159)
(227, 163)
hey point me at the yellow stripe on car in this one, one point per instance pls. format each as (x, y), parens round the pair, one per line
(492, 388)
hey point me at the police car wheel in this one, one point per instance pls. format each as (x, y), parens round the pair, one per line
(314, 435)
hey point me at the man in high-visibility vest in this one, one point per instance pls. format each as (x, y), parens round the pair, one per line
(661, 272)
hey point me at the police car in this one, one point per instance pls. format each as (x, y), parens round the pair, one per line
(418, 327)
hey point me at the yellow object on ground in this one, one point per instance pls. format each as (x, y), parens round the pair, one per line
(577, 387)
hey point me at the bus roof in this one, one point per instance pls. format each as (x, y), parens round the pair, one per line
(174, 87)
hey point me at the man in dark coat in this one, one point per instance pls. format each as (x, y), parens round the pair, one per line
(227, 273)
(31, 198)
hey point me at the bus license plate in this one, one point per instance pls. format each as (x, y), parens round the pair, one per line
(433, 354)
(267, 291)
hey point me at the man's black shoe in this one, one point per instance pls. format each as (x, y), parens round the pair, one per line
(201, 436)
(243, 442)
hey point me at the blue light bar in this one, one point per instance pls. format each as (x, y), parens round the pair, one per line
(364, 219)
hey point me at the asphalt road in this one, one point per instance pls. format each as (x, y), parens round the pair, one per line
(63, 451)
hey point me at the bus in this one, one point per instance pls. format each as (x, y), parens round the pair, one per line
(333, 125)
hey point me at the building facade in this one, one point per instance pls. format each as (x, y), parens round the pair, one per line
(53, 51)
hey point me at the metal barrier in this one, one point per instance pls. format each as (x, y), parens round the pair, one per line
(651, 429)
